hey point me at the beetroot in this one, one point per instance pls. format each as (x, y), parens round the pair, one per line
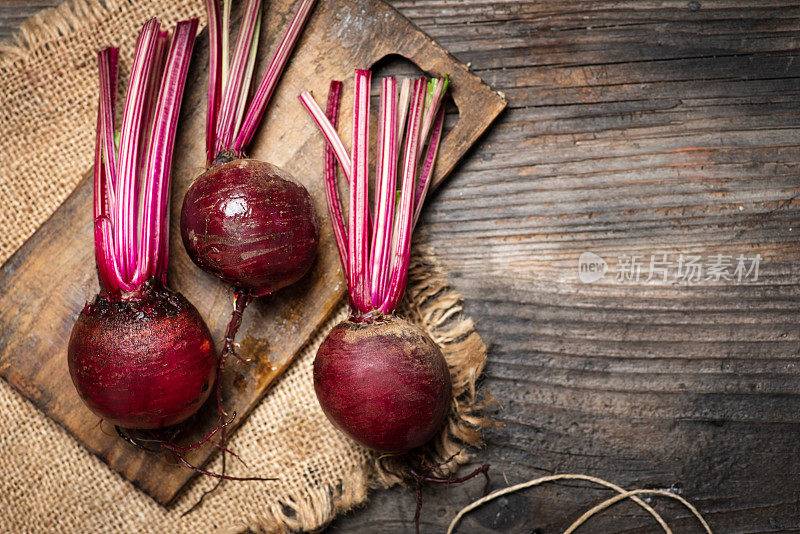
(248, 223)
(378, 378)
(383, 381)
(140, 355)
(144, 363)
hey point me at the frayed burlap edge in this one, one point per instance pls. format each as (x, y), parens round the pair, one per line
(433, 305)
(50, 25)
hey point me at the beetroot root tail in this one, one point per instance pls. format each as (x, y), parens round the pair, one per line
(421, 477)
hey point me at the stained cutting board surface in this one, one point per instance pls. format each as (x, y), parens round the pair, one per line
(44, 286)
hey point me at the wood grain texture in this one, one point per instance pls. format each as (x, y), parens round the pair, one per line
(632, 127)
(44, 285)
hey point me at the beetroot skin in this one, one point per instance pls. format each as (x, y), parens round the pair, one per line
(383, 382)
(147, 362)
(250, 224)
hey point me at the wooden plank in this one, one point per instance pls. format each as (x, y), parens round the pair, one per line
(44, 285)
(632, 127)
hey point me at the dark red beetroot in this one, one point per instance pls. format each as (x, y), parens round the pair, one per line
(383, 382)
(243, 220)
(378, 378)
(247, 222)
(146, 363)
(140, 355)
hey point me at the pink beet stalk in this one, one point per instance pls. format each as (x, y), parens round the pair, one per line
(329, 133)
(231, 120)
(376, 265)
(214, 77)
(130, 137)
(377, 268)
(385, 191)
(403, 222)
(359, 192)
(329, 170)
(131, 193)
(153, 237)
(272, 76)
(234, 89)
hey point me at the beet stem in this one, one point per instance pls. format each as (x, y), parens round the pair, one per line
(226, 44)
(328, 132)
(131, 186)
(329, 176)
(273, 74)
(386, 179)
(434, 117)
(358, 271)
(108, 61)
(433, 101)
(403, 222)
(214, 76)
(234, 89)
(402, 108)
(377, 269)
(246, 82)
(108, 268)
(154, 225)
(129, 147)
(427, 167)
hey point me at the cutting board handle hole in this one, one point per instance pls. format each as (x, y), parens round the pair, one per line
(402, 67)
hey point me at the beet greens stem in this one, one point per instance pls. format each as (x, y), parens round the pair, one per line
(152, 86)
(129, 148)
(233, 87)
(131, 187)
(433, 101)
(108, 61)
(248, 78)
(230, 122)
(402, 109)
(377, 269)
(386, 178)
(215, 61)
(273, 74)
(427, 168)
(358, 244)
(403, 222)
(328, 132)
(153, 236)
(226, 48)
(329, 176)
(108, 269)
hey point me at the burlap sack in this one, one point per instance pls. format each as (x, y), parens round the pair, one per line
(49, 482)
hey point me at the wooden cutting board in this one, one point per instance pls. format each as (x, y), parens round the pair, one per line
(44, 286)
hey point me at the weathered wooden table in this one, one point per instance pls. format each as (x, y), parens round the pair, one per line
(664, 138)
